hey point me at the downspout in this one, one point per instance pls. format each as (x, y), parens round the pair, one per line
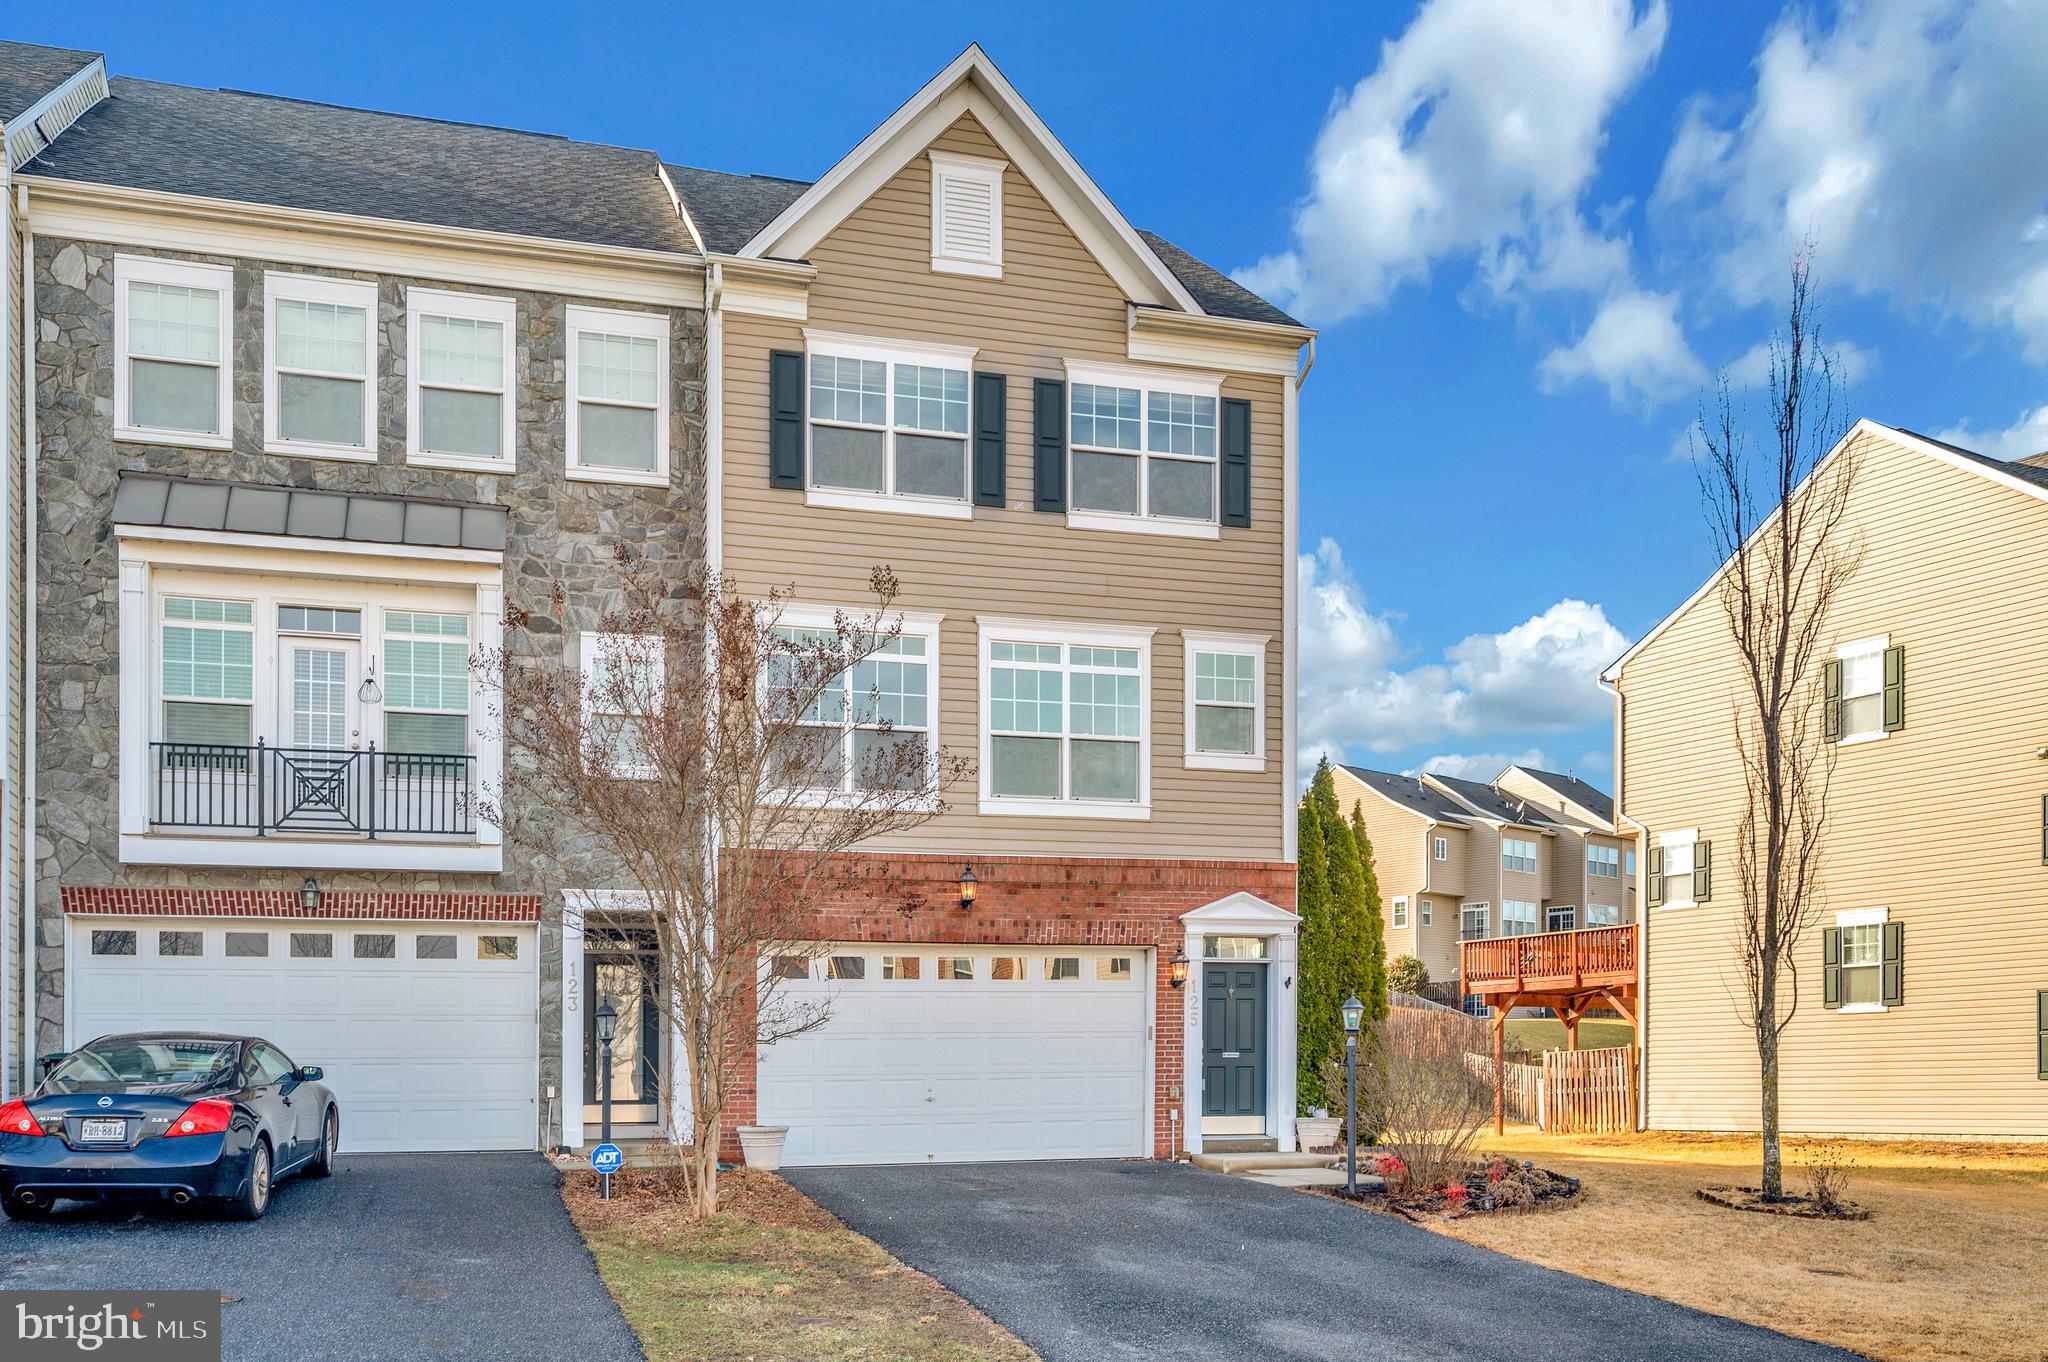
(714, 416)
(31, 929)
(1642, 903)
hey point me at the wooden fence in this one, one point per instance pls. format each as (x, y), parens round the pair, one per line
(1523, 1087)
(1589, 1092)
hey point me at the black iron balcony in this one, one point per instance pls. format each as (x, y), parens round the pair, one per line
(260, 790)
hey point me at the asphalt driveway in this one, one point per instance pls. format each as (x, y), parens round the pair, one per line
(397, 1257)
(1094, 1262)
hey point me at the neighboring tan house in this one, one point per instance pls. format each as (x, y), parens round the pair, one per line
(320, 396)
(1922, 1005)
(1533, 852)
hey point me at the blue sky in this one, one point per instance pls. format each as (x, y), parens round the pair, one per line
(1530, 233)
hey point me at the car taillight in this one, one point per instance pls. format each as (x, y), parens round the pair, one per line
(207, 1117)
(17, 1119)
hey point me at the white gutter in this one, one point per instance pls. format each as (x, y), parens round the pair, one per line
(714, 416)
(29, 924)
(1642, 903)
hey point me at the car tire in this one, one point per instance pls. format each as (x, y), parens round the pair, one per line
(322, 1164)
(25, 1210)
(254, 1199)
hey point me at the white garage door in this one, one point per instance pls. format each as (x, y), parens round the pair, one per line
(958, 1054)
(426, 1031)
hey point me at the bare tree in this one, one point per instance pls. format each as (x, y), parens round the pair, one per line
(726, 761)
(1777, 520)
(1421, 1092)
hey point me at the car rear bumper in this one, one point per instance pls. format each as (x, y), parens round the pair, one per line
(197, 1166)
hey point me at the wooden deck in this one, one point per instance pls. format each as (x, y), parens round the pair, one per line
(1569, 972)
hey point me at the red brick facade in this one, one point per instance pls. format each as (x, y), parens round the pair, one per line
(368, 905)
(1038, 901)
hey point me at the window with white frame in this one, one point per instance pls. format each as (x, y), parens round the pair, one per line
(967, 215)
(618, 396)
(1473, 922)
(1400, 912)
(460, 398)
(1425, 907)
(1066, 726)
(1603, 915)
(1604, 862)
(1862, 944)
(622, 681)
(1628, 862)
(320, 354)
(874, 724)
(174, 337)
(1226, 686)
(1142, 446)
(1862, 707)
(1440, 848)
(207, 671)
(888, 419)
(1677, 859)
(426, 682)
(1561, 918)
(1517, 918)
(1518, 854)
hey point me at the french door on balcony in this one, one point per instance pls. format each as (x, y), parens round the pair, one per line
(318, 708)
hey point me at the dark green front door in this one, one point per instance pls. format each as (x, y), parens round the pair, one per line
(1233, 1046)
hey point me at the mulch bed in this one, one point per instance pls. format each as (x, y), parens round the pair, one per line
(1485, 1194)
(1798, 1207)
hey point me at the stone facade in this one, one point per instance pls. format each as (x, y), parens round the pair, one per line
(561, 533)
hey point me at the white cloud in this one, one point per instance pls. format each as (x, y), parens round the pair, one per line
(1480, 765)
(1905, 137)
(1853, 363)
(2028, 435)
(1356, 695)
(1475, 138)
(1635, 346)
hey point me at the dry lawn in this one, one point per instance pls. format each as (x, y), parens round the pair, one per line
(1953, 1263)
(771, 1278)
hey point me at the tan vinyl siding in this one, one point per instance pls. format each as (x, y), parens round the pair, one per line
(1400, 856)
(1449, 876)
(1939, 823)
(1601, 889)
(1053, 303)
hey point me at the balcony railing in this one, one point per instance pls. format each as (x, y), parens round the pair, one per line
(1551, 962)
(261, 790)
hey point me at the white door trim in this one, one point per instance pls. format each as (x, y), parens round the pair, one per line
(1243, 914)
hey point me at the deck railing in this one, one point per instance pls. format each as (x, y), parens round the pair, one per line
(260, 790)
(1550, 960)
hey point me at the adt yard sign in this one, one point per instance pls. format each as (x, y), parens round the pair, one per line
(606, 1158)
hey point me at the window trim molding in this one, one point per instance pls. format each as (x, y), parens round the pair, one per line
(1665, 842)
(587, 652)
(925, 624)
(1254, 646)
(889, 353)
(1439, 847)
(1425, 911)
(951, 164)
(579, 319)
(150, 269)
(1865, 917)
(282, 286)
(428, 302)
(992, 629)
(1400, 912)
(1878, 644)
(1186, 382)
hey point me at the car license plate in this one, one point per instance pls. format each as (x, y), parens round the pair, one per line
(97, 1129)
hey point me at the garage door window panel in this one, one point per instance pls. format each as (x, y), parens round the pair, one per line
(312, 945)
(247, 945)
(375, 946)
(497, 947)
(180, 943)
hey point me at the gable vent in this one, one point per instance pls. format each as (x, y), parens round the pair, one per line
(967, 215)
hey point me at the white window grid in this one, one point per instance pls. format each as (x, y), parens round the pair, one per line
(597, 652)
(1474, 921)
(135, 339)
(1518, 854)
(899, 683)
(893, 389)
(286, 296)
(1428, 911)
(1862, 703)
(457, 313)
(635, 332)
(1224, 671)
(1678, 866)
(418, 648)
(1517, 918)
(1604, 862)
(1063, 654)
(1440, 848)
(1400, 912)
(1148, 418)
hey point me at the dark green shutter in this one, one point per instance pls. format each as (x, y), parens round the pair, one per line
(2044, 829)
(2041, 1036)
(1831, 704)
(1894, 985)
(785, 418)
(1831, 968)
(1237, 462)
(1049, 445)
(1894, 689)
(1702, 871)
(991, 423)
(1655, 879)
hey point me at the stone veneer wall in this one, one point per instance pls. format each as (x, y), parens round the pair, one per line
(560, 532)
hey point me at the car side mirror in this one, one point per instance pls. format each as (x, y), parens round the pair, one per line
(310, 1073)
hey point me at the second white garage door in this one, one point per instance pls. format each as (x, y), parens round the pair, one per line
(962, 1054)
(426, 1031)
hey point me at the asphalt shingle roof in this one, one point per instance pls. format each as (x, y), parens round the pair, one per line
(28, 72)
(1411, 794)
(729, 209)
(1218, 293)
(250, 148)
(1588, 797)
(1493, 804)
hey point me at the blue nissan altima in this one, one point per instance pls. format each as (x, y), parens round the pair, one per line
(183, 1115)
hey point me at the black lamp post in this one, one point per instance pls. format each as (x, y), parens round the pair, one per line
(1354, 1014)
(607, 1020)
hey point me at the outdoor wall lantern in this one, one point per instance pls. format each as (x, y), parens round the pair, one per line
(969, 887)
(1177, 968)
(309, 895)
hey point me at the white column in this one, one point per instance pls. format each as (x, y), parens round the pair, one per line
(572, 1023)
(1191, 1048)
(135, 665)
(1280, 1095)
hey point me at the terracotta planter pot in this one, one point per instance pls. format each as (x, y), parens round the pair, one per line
(763, 1146)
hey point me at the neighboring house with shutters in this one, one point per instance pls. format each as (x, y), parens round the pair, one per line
(318, 397)
(1923, 984)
